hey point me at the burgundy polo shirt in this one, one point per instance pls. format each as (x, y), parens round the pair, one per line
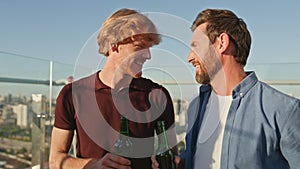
(93, 110)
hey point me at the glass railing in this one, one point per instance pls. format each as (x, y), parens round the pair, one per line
(26, 110)
(282, 76)
(29, 87)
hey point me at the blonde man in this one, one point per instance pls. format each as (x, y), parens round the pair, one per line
(118, 89)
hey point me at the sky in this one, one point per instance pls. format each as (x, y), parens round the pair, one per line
(34, 32)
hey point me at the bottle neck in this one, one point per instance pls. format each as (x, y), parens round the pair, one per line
(124, 126)
(162, 137)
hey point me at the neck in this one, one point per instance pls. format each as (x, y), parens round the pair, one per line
(228, 78)
(113, 77)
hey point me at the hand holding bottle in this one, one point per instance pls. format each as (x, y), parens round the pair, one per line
(109, 161)
(164, 154)
(123, 146)
(155, 164)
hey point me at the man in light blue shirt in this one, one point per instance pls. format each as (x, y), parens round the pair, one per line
(261, 127)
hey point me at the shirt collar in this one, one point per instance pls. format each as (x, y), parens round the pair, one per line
(98, 83)
(204, 88)
(241, 89)
(245, 85)
(136, 83)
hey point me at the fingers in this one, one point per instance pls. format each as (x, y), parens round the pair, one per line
(155, 164)
(118, 159)
(177, 160)
(115, 161)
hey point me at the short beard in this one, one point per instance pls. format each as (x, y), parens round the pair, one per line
(207, 76)
(203, 78)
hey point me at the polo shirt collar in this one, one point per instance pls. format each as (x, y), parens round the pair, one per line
(98, 83)
(135, 83)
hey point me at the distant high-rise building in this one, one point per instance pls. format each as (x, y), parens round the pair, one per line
(22, 114)
(8, 99)
(38, 103)
(8, 116)
(1, 99)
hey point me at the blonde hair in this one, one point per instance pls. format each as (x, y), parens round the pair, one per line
(123, 26)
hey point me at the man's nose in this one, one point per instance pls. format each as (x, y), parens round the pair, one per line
(147, 53)
(191, 56)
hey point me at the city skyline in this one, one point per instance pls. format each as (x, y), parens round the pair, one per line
(64, 32)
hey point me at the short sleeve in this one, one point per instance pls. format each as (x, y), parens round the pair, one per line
(64, 110)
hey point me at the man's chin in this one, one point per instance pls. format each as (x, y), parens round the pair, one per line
(203, 79)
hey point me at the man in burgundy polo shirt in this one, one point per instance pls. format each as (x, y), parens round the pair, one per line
(92, 106)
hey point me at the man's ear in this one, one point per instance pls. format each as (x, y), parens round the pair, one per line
(223, 42)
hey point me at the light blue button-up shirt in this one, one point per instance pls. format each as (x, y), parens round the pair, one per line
(262, 128)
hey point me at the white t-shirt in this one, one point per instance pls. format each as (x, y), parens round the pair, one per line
(209, 143)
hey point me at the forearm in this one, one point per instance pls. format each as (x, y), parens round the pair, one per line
(65, 161)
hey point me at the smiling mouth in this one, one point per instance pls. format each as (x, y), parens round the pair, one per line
(196, 65)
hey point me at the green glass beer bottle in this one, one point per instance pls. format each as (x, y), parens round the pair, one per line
(164, 154)
(123, 146)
